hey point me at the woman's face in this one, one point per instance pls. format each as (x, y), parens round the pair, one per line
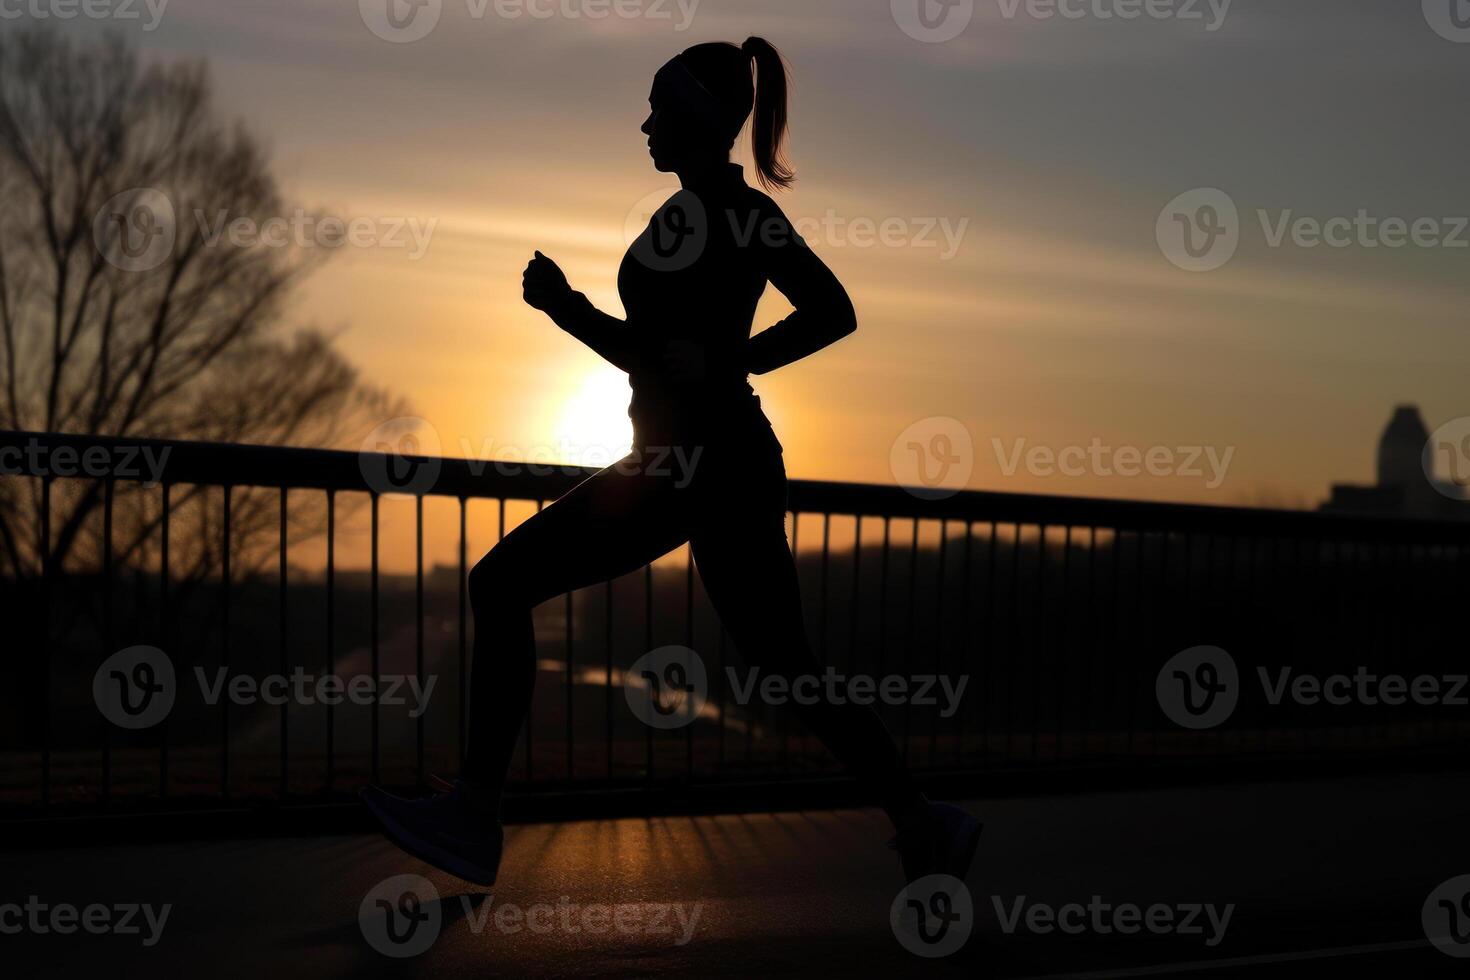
(660, 127)
(675, 138)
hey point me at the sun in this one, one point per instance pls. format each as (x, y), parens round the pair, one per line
(594, 429)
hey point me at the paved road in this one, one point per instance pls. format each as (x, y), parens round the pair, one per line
(1321, 875)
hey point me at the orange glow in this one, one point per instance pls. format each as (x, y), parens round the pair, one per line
(594, 428)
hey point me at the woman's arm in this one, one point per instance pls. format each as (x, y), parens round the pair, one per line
(545, 288)
(824, 313)
(603, 332)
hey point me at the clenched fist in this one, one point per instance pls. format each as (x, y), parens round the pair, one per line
(543, 284)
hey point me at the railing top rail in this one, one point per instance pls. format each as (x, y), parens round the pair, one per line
(241, 465)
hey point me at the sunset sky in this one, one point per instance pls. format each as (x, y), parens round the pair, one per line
(1053, 144)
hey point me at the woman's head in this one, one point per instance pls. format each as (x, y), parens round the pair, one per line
(701, 99)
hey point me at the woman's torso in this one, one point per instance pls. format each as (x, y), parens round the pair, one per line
(693, 276)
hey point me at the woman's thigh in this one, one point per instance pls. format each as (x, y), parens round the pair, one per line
(751, 581)
(745, 562)
(615, 521)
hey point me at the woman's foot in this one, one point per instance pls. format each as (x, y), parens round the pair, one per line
(443, 830)
(937, 838)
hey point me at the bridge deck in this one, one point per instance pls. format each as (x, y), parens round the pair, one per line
(1334, 870)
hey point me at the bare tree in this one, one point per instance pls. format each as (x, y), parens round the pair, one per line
(122, 315)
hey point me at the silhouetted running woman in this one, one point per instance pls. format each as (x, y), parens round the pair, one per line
(705, 468)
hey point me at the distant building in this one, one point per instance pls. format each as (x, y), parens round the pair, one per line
(1404, 488)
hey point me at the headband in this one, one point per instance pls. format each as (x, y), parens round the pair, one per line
(680, 81)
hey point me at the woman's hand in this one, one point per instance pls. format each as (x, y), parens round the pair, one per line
(543, 285)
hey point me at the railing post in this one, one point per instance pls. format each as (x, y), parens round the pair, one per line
(225, 589)
(331, 630)
(163, 632)
(284, 790)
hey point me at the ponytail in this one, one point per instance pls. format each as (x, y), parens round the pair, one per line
(724, 84)
(768, 128)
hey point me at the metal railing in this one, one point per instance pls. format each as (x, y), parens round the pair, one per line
(1059, 613)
